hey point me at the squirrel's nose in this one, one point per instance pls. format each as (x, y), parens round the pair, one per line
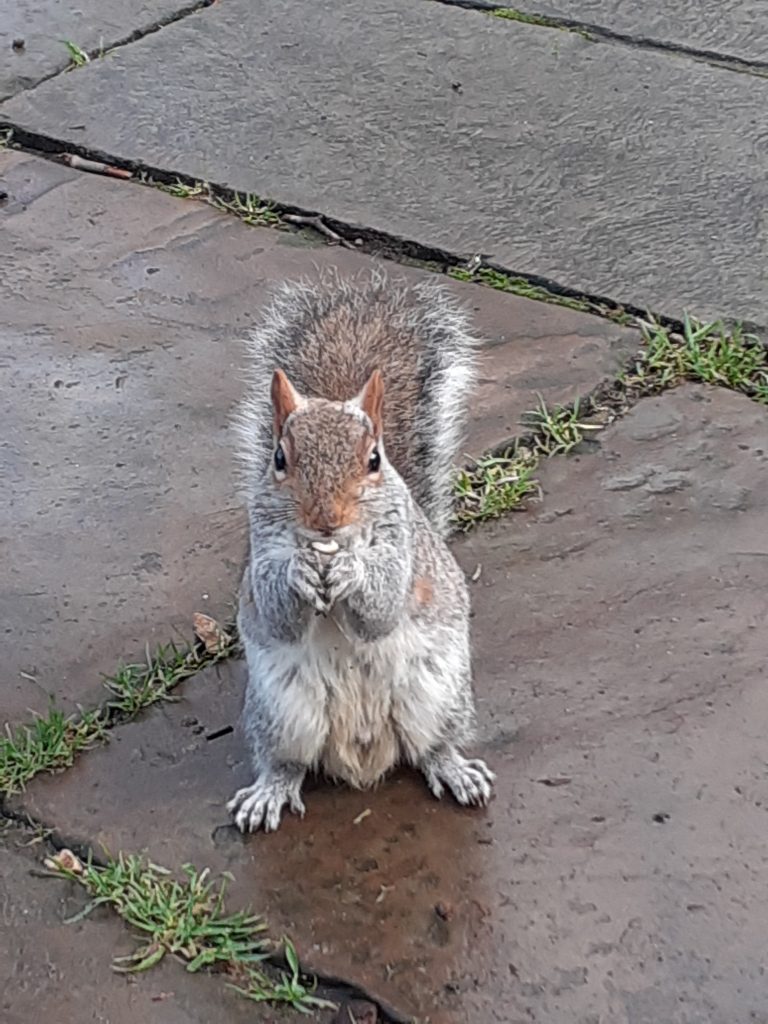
(324, 521)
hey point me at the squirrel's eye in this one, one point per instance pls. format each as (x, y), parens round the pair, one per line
(280, 459)
(374, 462)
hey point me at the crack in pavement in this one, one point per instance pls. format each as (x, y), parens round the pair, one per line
(603, 34)
(369, 241)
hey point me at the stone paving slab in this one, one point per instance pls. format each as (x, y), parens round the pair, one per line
(43, 25)
(621, 871)
(624, 173)
(119, 367)
(54, 971)
(736, 29)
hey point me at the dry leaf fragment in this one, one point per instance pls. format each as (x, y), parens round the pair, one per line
(214, 638)
(65, 860)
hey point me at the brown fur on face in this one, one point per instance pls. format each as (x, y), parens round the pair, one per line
(327, 452)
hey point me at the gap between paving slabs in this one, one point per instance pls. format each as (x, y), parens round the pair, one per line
(264, 212)
(595, 33)
(259, 211)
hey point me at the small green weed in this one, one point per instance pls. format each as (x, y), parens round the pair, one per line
(186, 919)
(6, 135)
(511, 14)
(248, 207)
(78, 57)
(519, 286)
(557, 430)
(516, 286)
(492, 486)
(49, 744)
(292, 988)
(135, 687)
(541, 20)
(52, 742)
(183, 191)
(706, 352)
(496, 484)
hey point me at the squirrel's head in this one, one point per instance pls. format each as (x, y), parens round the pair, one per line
(327, 458)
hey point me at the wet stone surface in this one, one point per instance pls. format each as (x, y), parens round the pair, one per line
(578, 162)
(620, 872)
(120, 366)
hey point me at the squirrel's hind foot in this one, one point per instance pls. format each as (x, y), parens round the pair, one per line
(470, 781)
(261, 804)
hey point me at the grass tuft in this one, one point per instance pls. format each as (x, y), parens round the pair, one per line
(135, 687)
(187, 919)
(496, 484)
(519, 286)
(704, 353)
(492, 486)
(180, 190)
(557, 431)
(249, 208)
(707, 353)
(51, 742)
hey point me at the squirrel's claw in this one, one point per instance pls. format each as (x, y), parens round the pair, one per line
(470, 781)
(261, 805)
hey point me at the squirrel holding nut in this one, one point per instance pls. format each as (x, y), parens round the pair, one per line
(353, 613)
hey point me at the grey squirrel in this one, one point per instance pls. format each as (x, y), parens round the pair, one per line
(353, 614)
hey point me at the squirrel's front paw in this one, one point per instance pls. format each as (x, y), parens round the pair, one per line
(470, 781)
(262, 803)
(305, 577)
(345, 576)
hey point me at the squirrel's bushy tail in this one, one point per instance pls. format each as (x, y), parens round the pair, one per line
(328, 337)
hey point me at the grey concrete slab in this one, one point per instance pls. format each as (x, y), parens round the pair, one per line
(55, 971)
(619, 172)
(39, 28)
(736, 29)
(620, 874)
(120, 310)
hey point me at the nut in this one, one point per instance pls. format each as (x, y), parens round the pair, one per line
(325, 547)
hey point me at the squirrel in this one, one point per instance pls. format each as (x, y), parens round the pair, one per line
(353, 613)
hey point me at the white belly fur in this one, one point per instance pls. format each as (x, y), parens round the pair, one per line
(360, 683)
(346, 698)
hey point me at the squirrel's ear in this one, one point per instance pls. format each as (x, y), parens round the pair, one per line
(285, 400)
(372, 400)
